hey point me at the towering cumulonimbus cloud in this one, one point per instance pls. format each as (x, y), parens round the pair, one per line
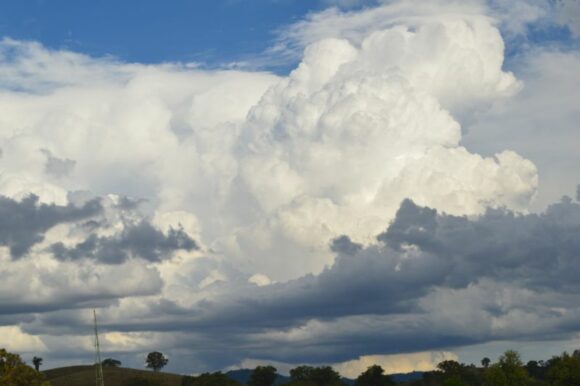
(269, 176)
(359, 126)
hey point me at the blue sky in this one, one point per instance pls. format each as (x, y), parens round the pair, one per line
(153, 31)
(212, 33)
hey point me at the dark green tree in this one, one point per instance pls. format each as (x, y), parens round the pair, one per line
(301, 374)
(325, 376)
(316, 376)
(263, 376)
(209, 379)
(535, 369)
(37, 362)
(511, 364)
(374, 376)
(14, 372)
(485, 362)
(156, 361)
(564, 370)
(454, 381)
(454, 373)
(495, 376)
(509, 371)
(450, 368)
(110, 362)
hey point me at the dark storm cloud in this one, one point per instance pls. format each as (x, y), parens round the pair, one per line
(374, 298)
(430, 282)
(421, 250)
(344, 245)
(129, 204)
(63, 302)
(541, 250)
(136, 240)
(23, 223)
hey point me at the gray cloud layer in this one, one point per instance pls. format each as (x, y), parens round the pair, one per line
(500, 268)
(422, 250)
(23, 223)
(431, 281)
(139, 240)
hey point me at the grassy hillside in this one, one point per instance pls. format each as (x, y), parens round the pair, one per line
(114, 376)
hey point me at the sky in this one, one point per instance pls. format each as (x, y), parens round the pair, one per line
(285, 182)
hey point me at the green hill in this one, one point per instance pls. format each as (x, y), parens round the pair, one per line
(117, 376)
(114, 376)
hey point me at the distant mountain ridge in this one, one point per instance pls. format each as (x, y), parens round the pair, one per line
(243, 376)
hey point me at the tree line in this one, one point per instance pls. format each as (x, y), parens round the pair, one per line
(508, 370)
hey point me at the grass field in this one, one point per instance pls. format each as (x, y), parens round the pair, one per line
(114, 376)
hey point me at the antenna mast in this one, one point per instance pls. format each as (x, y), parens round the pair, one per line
(98, 364)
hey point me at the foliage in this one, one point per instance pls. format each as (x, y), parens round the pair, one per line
(263, 376)
(536, 369)
(14, 372)
(450, 367)
(209, 379)
(485, 362)
(454, 381)
(454, 373)
(495, 376)
(110, 362)
(36, 361)
(564, 370)
(509, 371)
(156, 361)
(316, 376)
(513, 368)
(374, 376)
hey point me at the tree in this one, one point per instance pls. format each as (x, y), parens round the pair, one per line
(564, 370)
(110, 362)
(14, 372)
(450, 368)
(374, 376)
(509, 371)
(454, 381)
(156, 361)
(37, 362)
(495, 376)
(209, 379)
(263, 376)
(325, 376)
(300, 374)
(317, 376)
(534, 369)
(485, 362)
(511, 364)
